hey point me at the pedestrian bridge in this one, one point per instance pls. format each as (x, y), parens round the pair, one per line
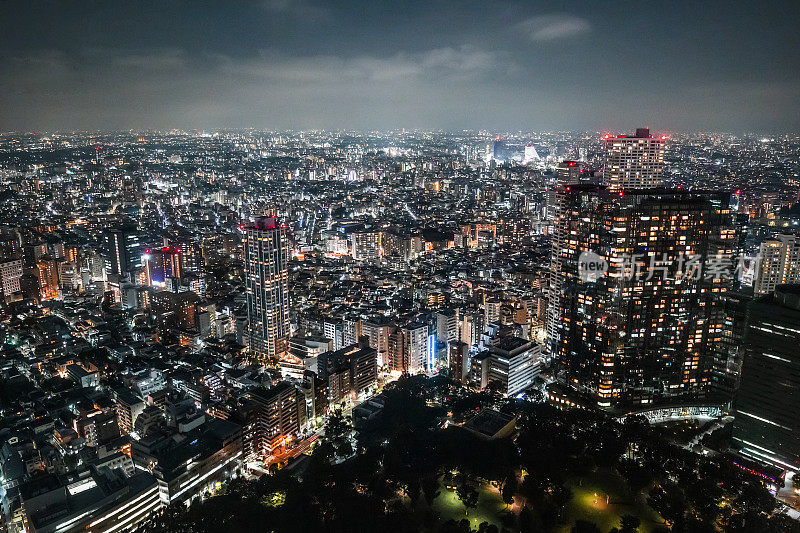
(668, 413)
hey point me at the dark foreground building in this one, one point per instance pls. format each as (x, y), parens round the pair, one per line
(767, 424)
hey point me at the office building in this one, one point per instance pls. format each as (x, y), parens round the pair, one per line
(161, 264)
(122, 250)
(95, 500)
(568, 172)
(513, 364)
(766, 425)
(729, 351)
(190, 459)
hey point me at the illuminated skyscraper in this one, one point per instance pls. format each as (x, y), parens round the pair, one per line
(499, 150)
(161, 264)
(640, 329)
(634, 161)
(266, 250)
(47, 270)
(531, 155)
(778, 263)
(122, 250)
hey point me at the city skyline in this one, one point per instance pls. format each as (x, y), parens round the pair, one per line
(220, 319)
(423, 266)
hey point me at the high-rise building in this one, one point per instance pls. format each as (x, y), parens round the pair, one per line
(729, 351)
(634, 161)
(513, 364)
(47, 272)
(122, 250)
(472, 326)
(191, 255)
(377, 332)
(353, 369)
(266, 250)
(367, 245)
(447, 325)
(459, 361)
(128, 407)
(633, 314)
(10, 274)
(397, 357)
(766, 426)
(778, 264)
(161, 264)
(492, 310)
(530, 154)
(568, 172)
(416, 347)
(499, 150)
(273, 415)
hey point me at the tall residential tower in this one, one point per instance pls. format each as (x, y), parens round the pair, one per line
(634, 161)
(266, 250)
(638, 327)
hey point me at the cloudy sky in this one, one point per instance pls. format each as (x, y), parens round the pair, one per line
(675, 65)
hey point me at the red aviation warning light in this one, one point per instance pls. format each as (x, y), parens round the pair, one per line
(663, 137)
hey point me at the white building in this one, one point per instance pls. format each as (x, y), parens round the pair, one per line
(778, 263)
(634, 161)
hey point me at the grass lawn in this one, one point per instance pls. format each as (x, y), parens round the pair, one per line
(602, 498)
(447, 505)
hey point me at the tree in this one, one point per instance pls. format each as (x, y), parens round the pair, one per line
(467, 493)
(670, 502)
(451, 526)
(582, 526)
(486, 527)
(629, 523)
(509, 489)
(430, 488)
(527, 522)
(755, 498)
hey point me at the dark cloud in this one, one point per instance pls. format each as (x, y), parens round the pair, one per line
(437, 64)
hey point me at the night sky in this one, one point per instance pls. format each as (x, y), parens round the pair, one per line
(435, 64)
